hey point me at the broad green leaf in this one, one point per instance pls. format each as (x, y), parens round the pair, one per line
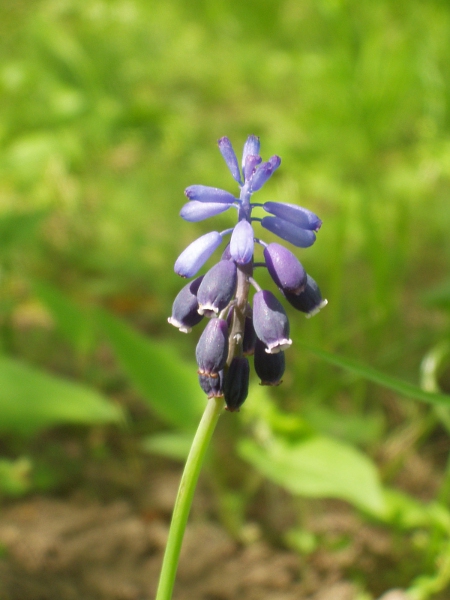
(396, 385)
(74, 323)
(14, 476)
(166, 382)
(173, 445)
(318, 467)
(31, 399)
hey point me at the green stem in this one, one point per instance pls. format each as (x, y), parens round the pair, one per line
(184, 497)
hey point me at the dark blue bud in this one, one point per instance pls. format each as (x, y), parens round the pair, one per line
(235, 383)
(251, 162)
(268, 367)
(263, 173)
(205, 193)
(284, 268)
(197, 253)
(303, 238)
(297, 215)
(212, 348)
(251, 147)
(270, 322)
(198, 211)
(212, 384)
(185, 307)
(226, 149)
(217, 288)
(242, 243)
(310, 301)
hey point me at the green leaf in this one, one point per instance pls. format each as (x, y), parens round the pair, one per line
(74, 323)
(31, 399)
(173, 445)
(318, 467)
(392, 383)
(166, 382)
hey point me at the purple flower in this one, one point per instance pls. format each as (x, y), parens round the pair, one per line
(303, 238)
(268, 367)
(284, 268)
(217, 288)
(198, 211)
(185, 307)
(297, 215)
(309, 301)
(212, 348)
(270, 322)
(235, 383)
(204, 193)
(241, 243)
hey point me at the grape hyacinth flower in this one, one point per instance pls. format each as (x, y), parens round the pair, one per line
(235, 329)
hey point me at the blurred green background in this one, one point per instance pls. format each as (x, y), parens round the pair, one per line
(109, 109)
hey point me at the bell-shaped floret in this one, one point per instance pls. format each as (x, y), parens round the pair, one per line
(310, 301)
(217, 288)
(226, 149)
(251, 148)
(242, 243)
(185, 307)
(235, 383)
(205, 193)
(303, 238)
(270, 322)
(198, 211)
(284, 268)
(211, 384)
(263, 173)
(268, 367)
(212, 348)
(197, 253)
(297, 215)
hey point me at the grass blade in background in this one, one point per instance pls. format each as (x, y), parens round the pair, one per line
(392, 383)
(318, 467)
(31, 400)
(166, 382)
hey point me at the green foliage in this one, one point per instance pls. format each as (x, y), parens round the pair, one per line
(31, 400)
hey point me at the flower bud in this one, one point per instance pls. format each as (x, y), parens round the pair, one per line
(297, 215)
(264, 172)
(211, 384)
(270, 322)
(302, 238)
(185, 307)
(212, 348)
(309, 301)
(226, 149)
(251, 148)
(198, 211)
(217, 288)
(268, 367)
(205, 193)
(235, 383)
(241, 243)
(197, 253)
(284, 268)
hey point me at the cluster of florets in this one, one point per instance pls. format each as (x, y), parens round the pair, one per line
(236, 329)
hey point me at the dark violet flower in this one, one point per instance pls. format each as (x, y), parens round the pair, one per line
(197, 253)
(284, 268)
(235, 329)
(270, 322)
(217, 288)
(235, 383)
(309, 301)
(185, 313)
(268, 367)
(241, 243)
(212, 348)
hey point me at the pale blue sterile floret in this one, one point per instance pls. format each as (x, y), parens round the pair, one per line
(217, 294)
